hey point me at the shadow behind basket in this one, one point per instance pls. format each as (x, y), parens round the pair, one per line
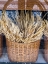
(23, 52)
(1, 40)
(46, 48)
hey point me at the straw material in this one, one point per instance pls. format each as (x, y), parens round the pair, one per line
(23, 52)
(1, 45)
(1, 30)
(46, 29)
(46, 49)
(27, 30)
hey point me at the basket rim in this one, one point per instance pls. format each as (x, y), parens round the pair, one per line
(21, 43)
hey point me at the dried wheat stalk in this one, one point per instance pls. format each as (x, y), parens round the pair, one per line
(46, 28)
(27, 30)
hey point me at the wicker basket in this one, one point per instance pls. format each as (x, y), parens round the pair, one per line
(1, 39)
(23, 52)
(46, 48)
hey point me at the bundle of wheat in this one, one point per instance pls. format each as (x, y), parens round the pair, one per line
(27, 30)
(31, 30)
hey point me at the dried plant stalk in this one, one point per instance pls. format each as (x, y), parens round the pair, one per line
(46, 29)
(27, 30)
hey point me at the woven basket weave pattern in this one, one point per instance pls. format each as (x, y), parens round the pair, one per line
(21, 52)
(46, 49)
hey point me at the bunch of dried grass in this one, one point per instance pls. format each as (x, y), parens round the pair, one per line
(27, 29)
(46, 29)
(0, 26)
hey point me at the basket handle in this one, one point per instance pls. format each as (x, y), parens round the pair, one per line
(38, 3)
(6, 4)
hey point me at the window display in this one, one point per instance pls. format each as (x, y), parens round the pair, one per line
(24, 33)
